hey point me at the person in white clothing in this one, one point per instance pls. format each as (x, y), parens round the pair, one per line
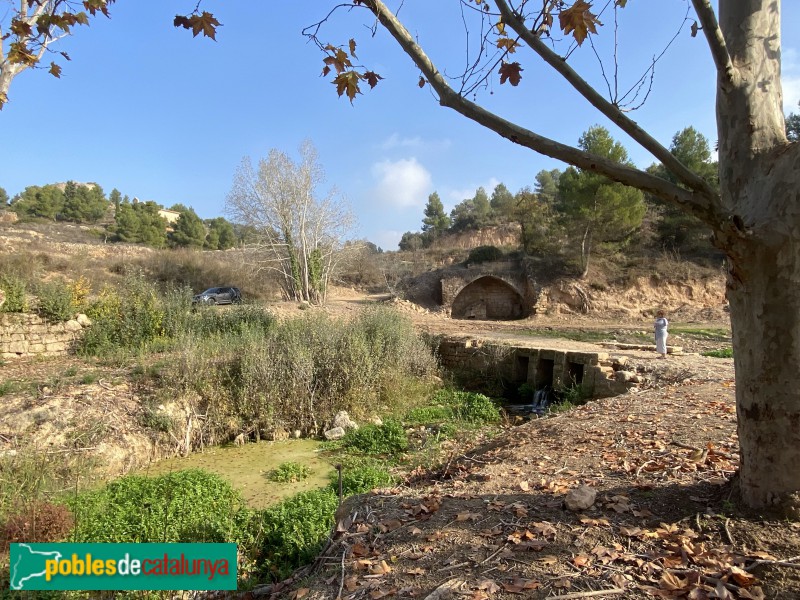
(660, 327)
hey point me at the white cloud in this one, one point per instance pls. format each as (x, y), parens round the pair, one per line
(386, 239)
(790, 79)
(394, 141)
(402, 183)
(452, 196)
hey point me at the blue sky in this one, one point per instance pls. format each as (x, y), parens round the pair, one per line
(147, 109)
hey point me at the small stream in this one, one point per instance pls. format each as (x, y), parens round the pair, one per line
(247, 467)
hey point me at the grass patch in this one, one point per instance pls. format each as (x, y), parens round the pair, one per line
(9, 386)
(720, 353)
(289, 472)
(717, 334)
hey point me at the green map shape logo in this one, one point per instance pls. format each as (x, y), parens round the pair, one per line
(29, 564)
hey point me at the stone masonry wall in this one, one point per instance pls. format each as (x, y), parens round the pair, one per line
(488, 298)
(29, 334)
(598, 374)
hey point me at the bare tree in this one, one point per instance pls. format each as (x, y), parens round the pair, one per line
(755, 216)
(299, 236)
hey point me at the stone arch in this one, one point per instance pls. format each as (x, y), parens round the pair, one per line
(488, 297)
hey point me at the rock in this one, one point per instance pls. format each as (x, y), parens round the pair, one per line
(336, 433)
(619, 360)
(343, 420)
(580, 498)
(625, 376)
(83, 320)
(72, 325)
(277, 435)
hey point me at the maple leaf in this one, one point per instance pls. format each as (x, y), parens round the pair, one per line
(488, 585)
(182, 21)
(508, 45)
(468, 516)
(510, 72)
(695, 29)
(20, 28)
(578, 20)
(620, 3)
(94, 5)
(18, 53)
(371, 78)
(518, 585)
(671, 582)
(352, 45)
(55, 70)
(205, 23)
(421, 82)
(347, 83)
(3, 99)
(338, 60)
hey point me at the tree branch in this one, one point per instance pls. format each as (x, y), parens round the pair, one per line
(716, 42)
(699, 204)
(639, 135)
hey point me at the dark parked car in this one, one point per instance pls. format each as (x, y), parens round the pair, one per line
(219, 295)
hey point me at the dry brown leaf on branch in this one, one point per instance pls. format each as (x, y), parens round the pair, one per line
(511, 72)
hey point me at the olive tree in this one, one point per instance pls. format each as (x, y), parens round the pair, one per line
(296, 233)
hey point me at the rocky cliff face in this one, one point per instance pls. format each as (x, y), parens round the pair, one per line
(499, 235)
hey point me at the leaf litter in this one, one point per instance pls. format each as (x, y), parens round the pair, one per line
(491, 522)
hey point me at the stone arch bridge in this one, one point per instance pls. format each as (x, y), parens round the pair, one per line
(496, 291)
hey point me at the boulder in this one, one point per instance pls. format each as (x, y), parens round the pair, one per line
(580, 498)
(343, 420)
(335, 433)
(83, 320)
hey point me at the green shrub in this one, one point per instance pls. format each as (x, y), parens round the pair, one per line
(483, 254)
(297, 374)
(447, 431)
(289, 472)
(361, 478)
(388, 438)
(526, 392)
(56, 302)
(185, 506)
(16, 292)
(294, 530)
(210, 320)
(124, 321)
(429, 414)
(469, 407)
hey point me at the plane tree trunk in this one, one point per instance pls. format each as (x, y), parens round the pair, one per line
(760, 190)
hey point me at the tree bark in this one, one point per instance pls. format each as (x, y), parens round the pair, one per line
(759, 188)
